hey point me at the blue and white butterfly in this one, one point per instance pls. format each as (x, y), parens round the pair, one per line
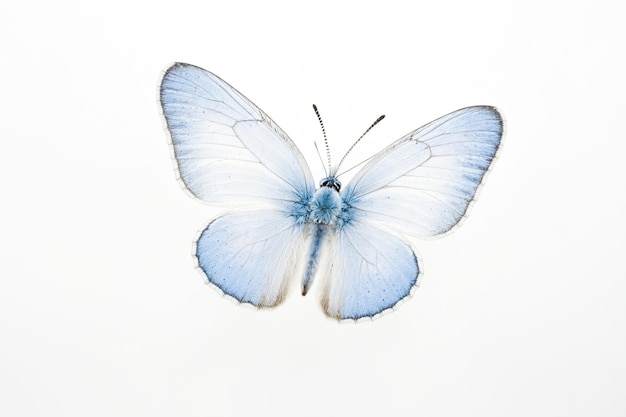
(282, 227)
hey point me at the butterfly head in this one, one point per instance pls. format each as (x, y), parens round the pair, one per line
(331, 182)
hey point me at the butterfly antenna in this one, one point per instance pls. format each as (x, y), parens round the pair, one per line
(325, 138)
(358, 140)
(356, 166)
(320, 156)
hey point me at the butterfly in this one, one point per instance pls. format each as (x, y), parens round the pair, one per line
(279, 226)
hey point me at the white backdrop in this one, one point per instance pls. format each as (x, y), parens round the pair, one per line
(520, 312)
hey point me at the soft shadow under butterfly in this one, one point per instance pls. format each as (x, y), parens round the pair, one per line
(229, 153)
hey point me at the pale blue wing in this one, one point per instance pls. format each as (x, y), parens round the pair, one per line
(251, 256)
(423, 184)
(227, 151)
(370, 272)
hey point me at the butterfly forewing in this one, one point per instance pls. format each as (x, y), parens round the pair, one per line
(423, 183)
(219, 136)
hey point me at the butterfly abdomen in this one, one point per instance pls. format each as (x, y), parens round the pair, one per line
(320, 232)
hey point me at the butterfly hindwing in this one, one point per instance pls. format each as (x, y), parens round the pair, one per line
(251, 256)
(370, 271)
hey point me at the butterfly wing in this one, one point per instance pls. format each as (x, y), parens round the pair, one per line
(370, 271)
(228, 152)
(421, 185)
(251, 256)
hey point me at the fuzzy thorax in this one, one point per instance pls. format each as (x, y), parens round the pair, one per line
(325, 206)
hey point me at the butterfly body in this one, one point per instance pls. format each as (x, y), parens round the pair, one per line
(323, 217)
(280, 227)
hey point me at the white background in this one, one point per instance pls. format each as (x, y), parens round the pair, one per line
(520, 312)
